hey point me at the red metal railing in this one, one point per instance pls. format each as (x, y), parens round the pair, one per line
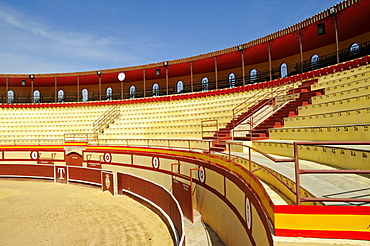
(209, 129)
(261, 99)
(299, 171)
(105, 119)
(205, 146)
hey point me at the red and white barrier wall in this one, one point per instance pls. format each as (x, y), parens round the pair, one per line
(229, 198)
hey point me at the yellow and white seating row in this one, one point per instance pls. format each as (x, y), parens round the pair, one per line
(343, 114)
(155, 119)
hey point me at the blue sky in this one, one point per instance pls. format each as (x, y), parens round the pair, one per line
(51, 36)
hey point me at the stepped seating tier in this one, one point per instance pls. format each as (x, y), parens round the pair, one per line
(342, 114)
(340, 75)
(149, 118)
(181, 115)
(335, 106)
(347, 85)
(356, 132)
(355, 116)
(38, 123)
(276, 119)
(340, 156)
(178, 119)
(354, 92)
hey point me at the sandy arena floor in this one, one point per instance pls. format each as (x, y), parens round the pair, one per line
(45, 213)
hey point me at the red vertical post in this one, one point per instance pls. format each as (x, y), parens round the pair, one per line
(55, 89)
(167, 79)
(301, 49)
(191, 77)
(297, 178)
(250, 159)
(191, 191)
(31, 88)
(122, 90)
(336, 37)
(78, 88)
(144, 82)
(241, 48)
(7, 88)
(216, 72)
(99, 87)
(270, 65)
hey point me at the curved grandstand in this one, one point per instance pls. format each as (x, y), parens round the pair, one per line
(265, 140)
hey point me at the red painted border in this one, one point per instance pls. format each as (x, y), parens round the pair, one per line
(306, 75)
(84, 174)
(155, 193)
(357, 235)
(27, 170)
(309, 209)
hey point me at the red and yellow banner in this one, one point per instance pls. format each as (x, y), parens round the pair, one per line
(342, 222)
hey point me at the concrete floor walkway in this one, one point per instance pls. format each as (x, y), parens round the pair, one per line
(200, 234)
(320, 185)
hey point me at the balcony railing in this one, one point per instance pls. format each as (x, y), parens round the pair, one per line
(222, 82)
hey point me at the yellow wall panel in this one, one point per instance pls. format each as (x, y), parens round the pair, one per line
(121, 158)
(17, 155)
(236, 197)
(215, 180)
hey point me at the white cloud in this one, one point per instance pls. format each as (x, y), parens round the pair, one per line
(30, 46)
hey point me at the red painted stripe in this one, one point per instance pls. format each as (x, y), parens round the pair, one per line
(309, 209)
(357, 235)
(34, 147)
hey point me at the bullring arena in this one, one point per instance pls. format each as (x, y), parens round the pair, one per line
(53, 214)
(266, 143)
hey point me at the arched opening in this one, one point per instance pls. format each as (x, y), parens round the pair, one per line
(36, 96)
(155, 90)
(232, 80)
(180, 86)
(60, 96)
(74, 159)
(253, 76)
(205, 84)
(85, 95)
(10, 96)
(283, 70)
(315, 61)
(132, 92)
(354, 49)
(108, 93)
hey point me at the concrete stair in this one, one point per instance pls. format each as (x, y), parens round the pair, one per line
(224, 133)
(218, 145)
(276, 120)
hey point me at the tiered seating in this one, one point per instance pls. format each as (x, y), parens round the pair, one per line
(49, 122)
(180, 116)
(175, 118)
(270, 114)
(343, 109)
(341, 114)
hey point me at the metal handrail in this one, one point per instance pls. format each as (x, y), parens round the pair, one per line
(299, 171)
(275, 104)
(204, 146)
(199, 145)
(248, 104)
(105, 119)
(261, 167)
(80, 137)
(205, 124)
